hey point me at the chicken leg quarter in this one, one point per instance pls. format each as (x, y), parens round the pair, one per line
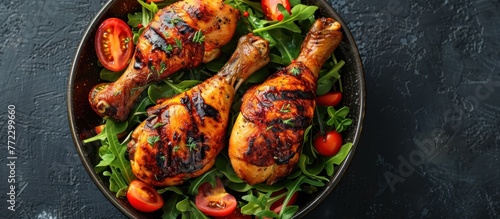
(180, 36)
(183, 134)
(267, 137)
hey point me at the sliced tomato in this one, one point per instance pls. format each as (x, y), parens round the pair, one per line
(215, 201)
(270, 8)
(113, 44)
(328, 144)
(143, 197)
(329, 99)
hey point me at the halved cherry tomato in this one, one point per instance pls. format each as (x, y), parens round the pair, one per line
(270, 8)
(236, 214)
(329, 99)
(143, 197)
(328, 144)
(113, 44)
(215, 201)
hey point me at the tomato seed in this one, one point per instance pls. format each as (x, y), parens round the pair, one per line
(215, 204)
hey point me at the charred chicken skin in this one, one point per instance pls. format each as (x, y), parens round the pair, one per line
(266, 139)
(180, 36)
(182, 135)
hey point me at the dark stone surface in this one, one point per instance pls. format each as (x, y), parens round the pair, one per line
(430, 143)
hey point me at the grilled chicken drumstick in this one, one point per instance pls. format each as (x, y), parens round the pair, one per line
(183, 134)
(266, 139)
(180, 36)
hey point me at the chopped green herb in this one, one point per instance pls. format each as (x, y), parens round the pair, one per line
(295, 71)
(176, 148)
(191, 144)
(199, 37)
(167, 48)
(178, 43)
(285, 108)
(163, 67)
(289, 122)
(158, 125)
(153, 139)
(175, 20)
(166, 34)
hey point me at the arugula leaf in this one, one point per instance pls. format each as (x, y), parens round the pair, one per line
(216, 65)
(174, 189)
(266, 213)
(209, 177)
(288, 211)
(170, 208)
(337, 158)
(326, 80)
(189, 210)
(169, 89)
(288, 45)
(299, 12)
(304, 165)
(119, 128)
(134, 19)
(109, 75)
(257, 23)
(222, 164)
(269, 188)
(124, 170)
(138, 112)
(106, 160)
(148, 11)
(239, 187)
(255, 203)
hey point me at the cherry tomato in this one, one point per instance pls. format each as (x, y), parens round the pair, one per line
(270, 8)
(215, 201)
(113, 44)
(329, 99)
(236, 214)
(143, 197)
(328, 144)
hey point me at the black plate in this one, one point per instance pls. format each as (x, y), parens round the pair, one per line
(82, 118)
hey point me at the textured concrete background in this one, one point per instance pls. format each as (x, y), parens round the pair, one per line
(430, 144)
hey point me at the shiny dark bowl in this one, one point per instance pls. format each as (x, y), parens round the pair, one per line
(84, 75)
